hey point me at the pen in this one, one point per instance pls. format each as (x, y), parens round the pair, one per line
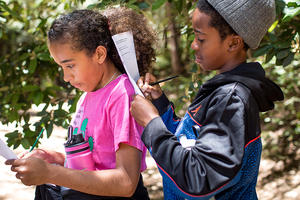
(163, 80)
(37, 139)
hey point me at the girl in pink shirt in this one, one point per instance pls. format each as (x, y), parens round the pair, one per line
(81, 43)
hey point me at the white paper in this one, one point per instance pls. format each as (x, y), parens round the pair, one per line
(6, 152)
(125, 46)
(186, 143)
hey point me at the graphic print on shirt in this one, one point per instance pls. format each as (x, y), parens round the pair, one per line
(81, 124)
(77, 119)
(91, 143)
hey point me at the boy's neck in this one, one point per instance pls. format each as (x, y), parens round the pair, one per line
(234, 61)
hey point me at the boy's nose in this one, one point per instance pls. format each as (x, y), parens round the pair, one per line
(194, 45)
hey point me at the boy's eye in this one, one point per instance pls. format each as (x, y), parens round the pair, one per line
(200, 40)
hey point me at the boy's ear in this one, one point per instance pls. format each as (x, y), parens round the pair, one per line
(235, 43)
(100, 54)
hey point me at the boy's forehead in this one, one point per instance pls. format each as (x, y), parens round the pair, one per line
(200, 21)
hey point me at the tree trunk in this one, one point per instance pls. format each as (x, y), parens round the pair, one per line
(177, 66)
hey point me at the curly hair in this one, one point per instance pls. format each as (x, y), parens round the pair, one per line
(123, 19)
(216, 20)
(88, 29)
(85, 30)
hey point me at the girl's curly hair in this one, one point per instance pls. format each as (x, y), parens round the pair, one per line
(123, 19)
(88, 29)
(85, 30)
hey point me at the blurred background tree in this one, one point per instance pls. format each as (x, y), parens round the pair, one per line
(29, 78)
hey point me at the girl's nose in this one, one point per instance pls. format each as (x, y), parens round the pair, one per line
(67, 75)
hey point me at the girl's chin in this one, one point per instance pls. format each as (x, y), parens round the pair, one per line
(79, 87)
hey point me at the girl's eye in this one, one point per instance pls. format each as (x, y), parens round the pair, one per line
(70, 66)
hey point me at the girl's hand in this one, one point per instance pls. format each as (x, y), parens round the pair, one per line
(150, 92)
(46, 155)
(143, 110)
(31, 171)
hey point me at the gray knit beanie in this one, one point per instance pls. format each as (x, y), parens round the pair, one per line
(250, 19)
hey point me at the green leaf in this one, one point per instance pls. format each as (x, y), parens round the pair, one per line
(291, 13)
(288, 59)
(26, 117)
(13, 116)
(32, 65)
(15, 98)
(43, 56)
(13, 134)
(157, 4)
(273, 26)
(30, 88)
(25, 143)
(179, 5)
(143, 5)
(270, 55)
(11, 12)
(261, 51)
(17, 144)
(92, 6)
(38, 98)
(29, 133)
(282, 44)
(282, 54)
(280, 5)
(273, 37)
(49, 129)
(292, 4)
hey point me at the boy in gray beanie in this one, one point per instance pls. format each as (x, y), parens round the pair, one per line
(214, 151)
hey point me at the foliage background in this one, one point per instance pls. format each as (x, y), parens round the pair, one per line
(30, 78)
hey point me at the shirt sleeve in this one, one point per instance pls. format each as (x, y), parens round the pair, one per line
(167, 112)
(124, 127)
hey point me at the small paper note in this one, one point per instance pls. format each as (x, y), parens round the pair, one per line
(125, 46)
(6, 152)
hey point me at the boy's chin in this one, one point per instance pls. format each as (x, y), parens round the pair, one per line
(204, 67)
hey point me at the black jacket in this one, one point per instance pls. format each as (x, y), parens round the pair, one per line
(225, 159)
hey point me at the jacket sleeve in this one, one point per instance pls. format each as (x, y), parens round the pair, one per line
(217, 155)
(167, 113)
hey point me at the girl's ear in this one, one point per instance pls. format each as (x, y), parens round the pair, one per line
(100, 54)
(235, 43)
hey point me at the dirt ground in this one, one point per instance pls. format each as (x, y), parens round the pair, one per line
(283, 188)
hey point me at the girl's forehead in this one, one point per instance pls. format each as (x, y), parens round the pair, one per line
(61, 52)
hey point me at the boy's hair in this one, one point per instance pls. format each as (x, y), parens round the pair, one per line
(88, 29)
(250, 19)
(217, 21)
(122, 19)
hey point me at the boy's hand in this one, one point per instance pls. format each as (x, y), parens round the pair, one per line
(31, 171)
(150, 92)
(143, 110)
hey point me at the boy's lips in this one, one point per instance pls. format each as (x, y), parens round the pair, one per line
(198, 60)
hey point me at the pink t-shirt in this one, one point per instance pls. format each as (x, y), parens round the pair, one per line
(109, 122)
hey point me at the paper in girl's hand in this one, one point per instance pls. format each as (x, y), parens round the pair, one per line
(125, 46)
(6, 152)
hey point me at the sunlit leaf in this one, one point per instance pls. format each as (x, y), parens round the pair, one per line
(157, 4)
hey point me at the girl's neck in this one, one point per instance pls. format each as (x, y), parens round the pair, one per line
(110, 73)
